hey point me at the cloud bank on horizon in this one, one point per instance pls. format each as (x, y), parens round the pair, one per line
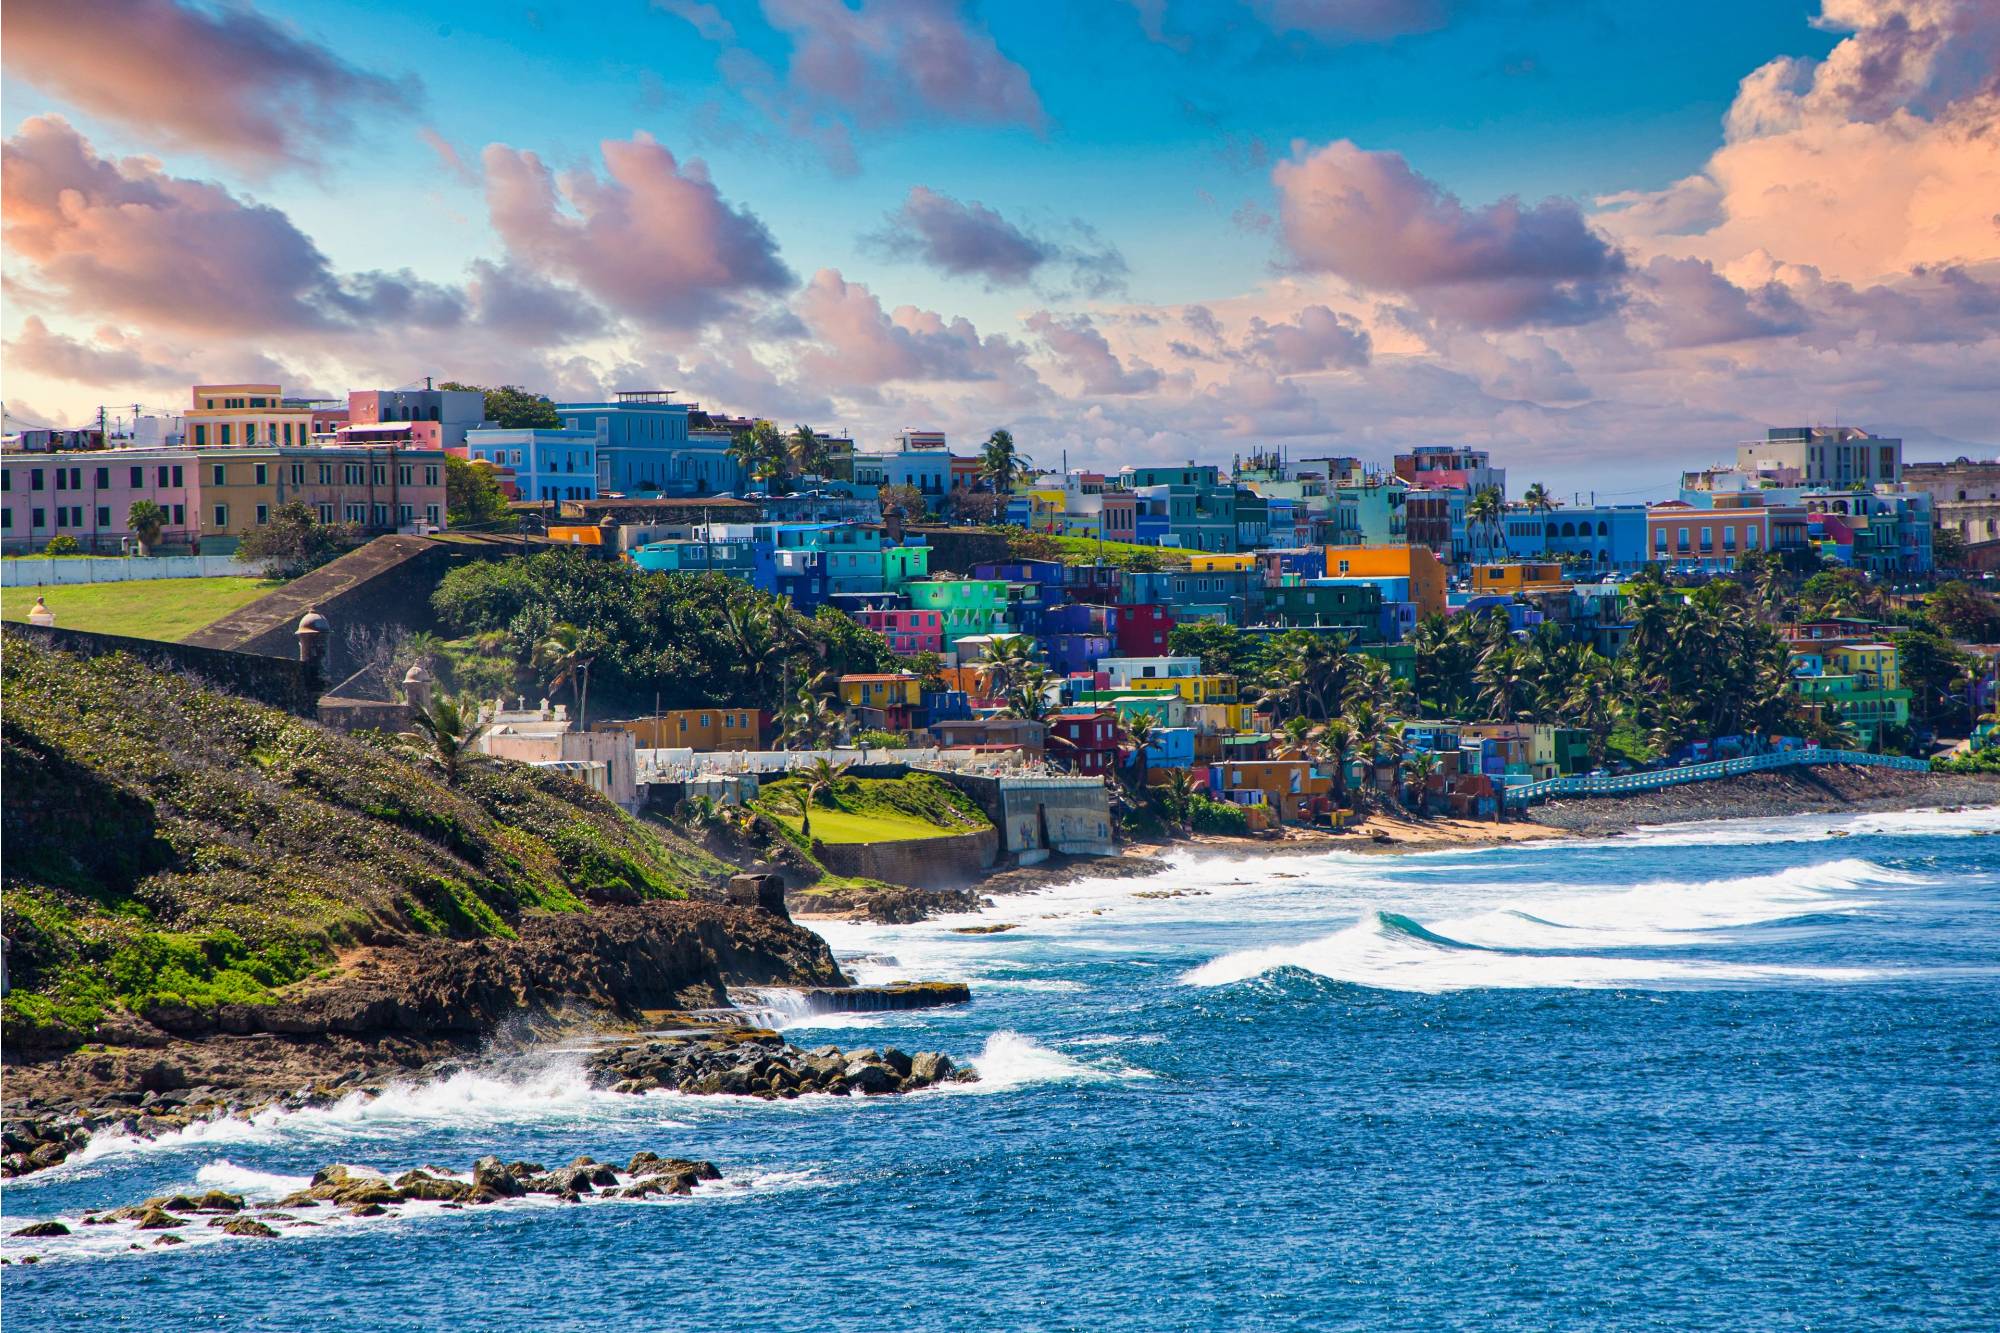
(1837, 250)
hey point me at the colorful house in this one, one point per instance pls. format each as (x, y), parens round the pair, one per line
(704, 730)
(1417, 564)
(887, 699)
(1290, 788)
(908, 631)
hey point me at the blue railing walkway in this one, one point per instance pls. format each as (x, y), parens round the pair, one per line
(1654, 780)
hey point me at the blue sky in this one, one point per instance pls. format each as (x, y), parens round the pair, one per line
(1390, 213)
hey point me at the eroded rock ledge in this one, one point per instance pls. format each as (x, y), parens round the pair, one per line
(757, 1063)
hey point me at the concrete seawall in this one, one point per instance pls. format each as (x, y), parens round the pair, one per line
(921, 863)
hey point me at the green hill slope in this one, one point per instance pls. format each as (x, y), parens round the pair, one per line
(171, 845)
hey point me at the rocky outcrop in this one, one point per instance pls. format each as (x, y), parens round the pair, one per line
(755, 1063)
(357, 1192)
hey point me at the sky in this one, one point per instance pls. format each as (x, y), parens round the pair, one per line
(1606, 240)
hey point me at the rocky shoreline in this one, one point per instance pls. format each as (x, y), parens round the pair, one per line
(356, 1192)
(757, 1063)
(1827, 789)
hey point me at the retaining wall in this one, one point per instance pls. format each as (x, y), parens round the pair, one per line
(921, 863)
(61, 570)
(281, 682)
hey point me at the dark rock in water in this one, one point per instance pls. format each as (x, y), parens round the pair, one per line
(490, 1177)
(900, 995)
(930, 1067)
(39, 1229)
(756, 1063)
(169, 1240)
(159, 1219)
(367, 1210)
(250, 1226)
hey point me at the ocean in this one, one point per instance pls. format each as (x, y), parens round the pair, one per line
(1721, 1076)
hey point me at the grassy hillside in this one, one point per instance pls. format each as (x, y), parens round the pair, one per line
(877, 809)
(168, 609)
(170, 844)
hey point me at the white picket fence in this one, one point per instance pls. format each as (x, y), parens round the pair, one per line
(1654, 780)
(47, 571)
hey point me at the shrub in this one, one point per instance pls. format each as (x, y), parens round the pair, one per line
(62, 545)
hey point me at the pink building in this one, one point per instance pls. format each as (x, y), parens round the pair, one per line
(907, 631)
(89, 496)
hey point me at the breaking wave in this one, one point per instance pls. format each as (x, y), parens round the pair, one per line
(1560, 941)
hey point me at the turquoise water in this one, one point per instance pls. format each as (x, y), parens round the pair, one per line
(1728, 1076)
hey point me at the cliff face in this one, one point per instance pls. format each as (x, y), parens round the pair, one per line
(182, 863)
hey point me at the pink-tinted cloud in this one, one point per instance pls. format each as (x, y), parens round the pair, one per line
(858, 343)
(1315, 339)
(111, 358)
(1081, 350)
(705, 18)
(653, 238)
(222, 80)
(1691, 305)
(448, 156)
(972, 240)
(885, 62)
(1368, 217)
(126, 240)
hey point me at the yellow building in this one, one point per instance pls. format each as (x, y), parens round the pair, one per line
(1415, 563)
(245, 416)
(701, 729)
(385, 489)
(1224, 563)
(890, 691)
(1517, 576)
(1212, 689)
(1865, 659)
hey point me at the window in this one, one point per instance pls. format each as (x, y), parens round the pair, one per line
(326, 474)
(1707, 538)
(103, 479)
(219, 475)
(263, 474)
(406, 513)
(177, 476)
(138, 477)
(76, 478)
(1750, 538)
(200, 436)
(38, 518)
(288, 432)
(104, 516)
(249, 432)
(6, 520)
(431, 475)
(7, 480)
(350, 473)
(381, 516)
(180, 516)
(62, 479)
(298, 474)
(431, 515)
(1683, 539)
(406, 474)
(221, 516)
(326, 513)
(222, 433)
(380, 473)
(263, 515)
(356, 514)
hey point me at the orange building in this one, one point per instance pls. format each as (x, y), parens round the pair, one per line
(1415, 563)
(1290, 788)
(1517, 576)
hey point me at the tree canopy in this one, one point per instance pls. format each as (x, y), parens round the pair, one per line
(473, 498)
(514, 407)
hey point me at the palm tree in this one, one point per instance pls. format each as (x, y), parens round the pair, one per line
(566, 654)
(1177, 797)
(999, 463)
(820, 777)
(801, 805)
(1011, 660)
(1501, 680)
(1422, 764)
(1139, 728)
(444, 733)
(761, 452)
(1336, 746)
(1537, 499)
(1484, 511)
(697, 815)
(1297, 731)
(147, 521)
(810, 453)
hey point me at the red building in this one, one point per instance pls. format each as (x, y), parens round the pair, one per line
(1143, 628)
(1085, 741)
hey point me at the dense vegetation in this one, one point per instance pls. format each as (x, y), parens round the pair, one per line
(168, 844)
(675, 640)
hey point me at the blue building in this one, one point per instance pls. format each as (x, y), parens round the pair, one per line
(647, 448)
(547, 464)
(1607, 538)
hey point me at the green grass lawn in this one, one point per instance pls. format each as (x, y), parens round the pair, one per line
(832, 826)
(142, 609)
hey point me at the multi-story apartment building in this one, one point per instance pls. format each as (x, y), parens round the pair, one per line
(246, 416)
(1607, 539)
(1822, 456)
(1965, 496)
(88, 496)
(452, 411)
(648, 448)
(1444, 467)
(385, 489)
(547, 464)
